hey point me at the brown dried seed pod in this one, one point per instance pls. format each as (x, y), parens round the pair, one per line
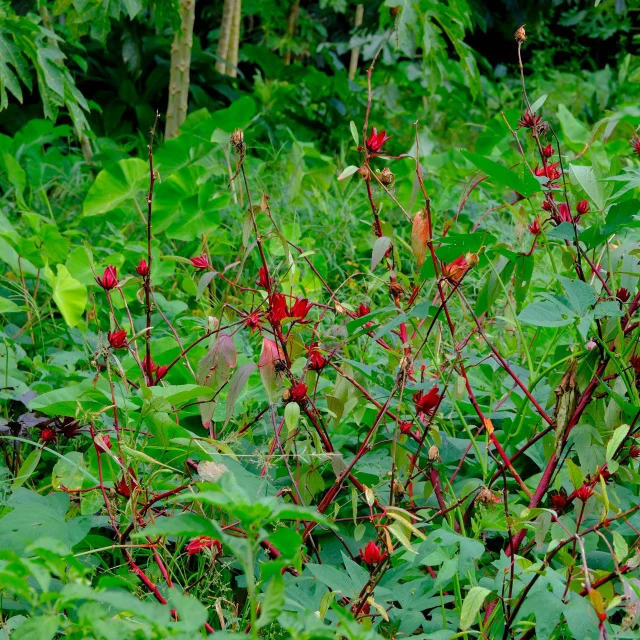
(521, 34)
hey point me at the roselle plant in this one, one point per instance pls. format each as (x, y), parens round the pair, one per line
(246, 437)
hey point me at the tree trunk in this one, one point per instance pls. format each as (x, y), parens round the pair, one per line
(234, 40)
(291, 29)
(180, 64)
(228, 13)
(355, 52)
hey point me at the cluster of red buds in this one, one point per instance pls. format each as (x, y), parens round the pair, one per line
(150, 367)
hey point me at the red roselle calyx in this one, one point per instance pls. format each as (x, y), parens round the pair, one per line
(547, 206)
(197, 545)
(535, 228)
(376, 140)
(278, 311)
(458, 267)
(371, 554)
(48, 435)
(117, 339)
(623, 294)
(148, 365)
(300, 309)
(363, 310)
(563, 214)
(420, 234)
(584, 492)
(200, 263)
(547, 151)
(551, 171)
(143, 268)
(635, 144)
(317, 361)
(263, 279)
(252, 321)
(109, 279)
(298, 392)
(425, 403)
(529, 120)
(582, 207)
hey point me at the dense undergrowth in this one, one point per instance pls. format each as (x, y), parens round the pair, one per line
(277, 391)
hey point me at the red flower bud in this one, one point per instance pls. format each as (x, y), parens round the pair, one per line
(124, 485)
(263, 280)
(109, 280)
(426, 402)
(547, 151)
(371, 554)
(161, 372)
(197, 545)
(117, 339)
(376, 140)
(550, 171)
(278, 311)
(48, 435)
(582, 207)
(584, 492)
(252, 320)
(623, 294)
(535, 228)
(298, 392)
(106, 439)
(300, 309)
(143, 268)
(635, 143)
(317, 361)
(200, 262)
(363, 310)
(546, 205)
(529, 120)
(634, 452)
(148, 365)
(455, 269)
(558, 501)
(564, 213)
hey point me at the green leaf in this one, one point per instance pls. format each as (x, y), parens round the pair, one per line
(620, 546)
(577, 479)
(573, 130)
(535, 107)
(41, 627)
(380, 247)
(236, 385)
(272, 603)
(177, 394)
(580, 295)
(117, 186)
(69, 295)
(8, 306)
(616, 440)
(347, 171)
(27, 468)
(550, 313)
(471, 606)
(182, 524)
(354, 132)
(527, 185)
(586, 178)
(292, 416)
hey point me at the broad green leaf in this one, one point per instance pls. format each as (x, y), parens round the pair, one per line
(526, 186)
(27, 468)
(117, 186)
(347, 171)
(380, 247)
(580, 295)
(616, 440)
(236, 385)
(292, 416)
(620, 546)
(586, 178)
(550, 313)
(471, 606)
(69, 295)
